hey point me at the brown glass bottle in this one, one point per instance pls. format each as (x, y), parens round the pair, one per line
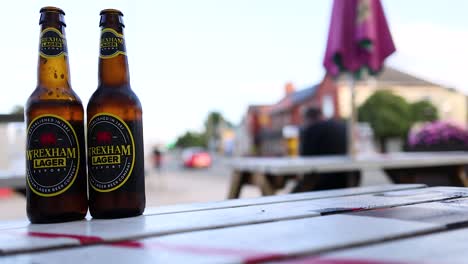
(56, 188)
(115, 131)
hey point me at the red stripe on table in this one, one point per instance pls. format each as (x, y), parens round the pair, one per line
(82, 239)
(315, 260)
(129, 244)
(248, 256)
(263, 258)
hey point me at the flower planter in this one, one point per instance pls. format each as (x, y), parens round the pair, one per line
(433, 137)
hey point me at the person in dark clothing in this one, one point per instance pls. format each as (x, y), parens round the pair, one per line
(157, 158)
(321, 137)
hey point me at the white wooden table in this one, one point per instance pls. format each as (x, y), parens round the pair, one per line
(383, 224)
(254, 170)
(11, 179)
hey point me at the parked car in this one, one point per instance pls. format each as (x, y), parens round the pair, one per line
(196, 158)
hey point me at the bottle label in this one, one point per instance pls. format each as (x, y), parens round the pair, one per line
(111, 152)
(112, 44)
(52, 44)
(52, 155)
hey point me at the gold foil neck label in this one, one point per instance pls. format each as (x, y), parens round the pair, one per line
(52, 43)
(112, 44)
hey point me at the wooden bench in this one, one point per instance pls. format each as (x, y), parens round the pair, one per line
(400, 167)
(340, 225)
(12, 178)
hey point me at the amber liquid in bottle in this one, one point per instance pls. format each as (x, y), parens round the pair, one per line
(56, 188)
(115, 131)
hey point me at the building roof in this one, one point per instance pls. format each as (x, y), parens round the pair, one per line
(293, 99)
(257, 107)
(302, 95)
(391, 75)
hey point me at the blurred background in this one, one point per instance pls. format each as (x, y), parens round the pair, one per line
(219, 79)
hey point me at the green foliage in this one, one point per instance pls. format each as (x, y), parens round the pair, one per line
(214, 118)
(388, 114)
(213, 122)
(18, 109)
(424, 111)
(191, 139)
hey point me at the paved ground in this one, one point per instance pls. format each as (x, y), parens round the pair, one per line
(177, 185)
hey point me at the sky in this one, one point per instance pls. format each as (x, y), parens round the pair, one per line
(188, 57)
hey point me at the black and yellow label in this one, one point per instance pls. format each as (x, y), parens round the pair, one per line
(52, 43)
(52, 155)
(111, 152)
(112, 44)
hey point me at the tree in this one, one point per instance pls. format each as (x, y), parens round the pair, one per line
(210, 137)
(212, 123)
(423, 111)
(213, 126)
(18, 109)
(191, 139)
(388, 114)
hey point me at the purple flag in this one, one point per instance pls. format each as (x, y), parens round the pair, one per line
(358, 37)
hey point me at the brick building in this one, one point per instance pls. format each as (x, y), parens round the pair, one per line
(264, 124)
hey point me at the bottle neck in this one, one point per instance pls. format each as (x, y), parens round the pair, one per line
(53, 68)
(113, 63)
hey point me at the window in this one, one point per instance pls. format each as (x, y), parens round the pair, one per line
(328, 107)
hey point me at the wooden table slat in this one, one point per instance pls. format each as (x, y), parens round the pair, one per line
(166, 224)
(280, 198)
(181, 208)
(248, 243)
(342, 163)
(452, 213)
(446, 247)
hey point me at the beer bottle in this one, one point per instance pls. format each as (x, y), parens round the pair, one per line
(115, 130)
(56, 188)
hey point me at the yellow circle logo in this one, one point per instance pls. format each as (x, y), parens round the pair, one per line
(111, 152)
(52, 155)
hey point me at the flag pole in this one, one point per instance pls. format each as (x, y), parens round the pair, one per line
(352, 117)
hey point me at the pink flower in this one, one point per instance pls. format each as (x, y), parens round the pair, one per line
(437, 133)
